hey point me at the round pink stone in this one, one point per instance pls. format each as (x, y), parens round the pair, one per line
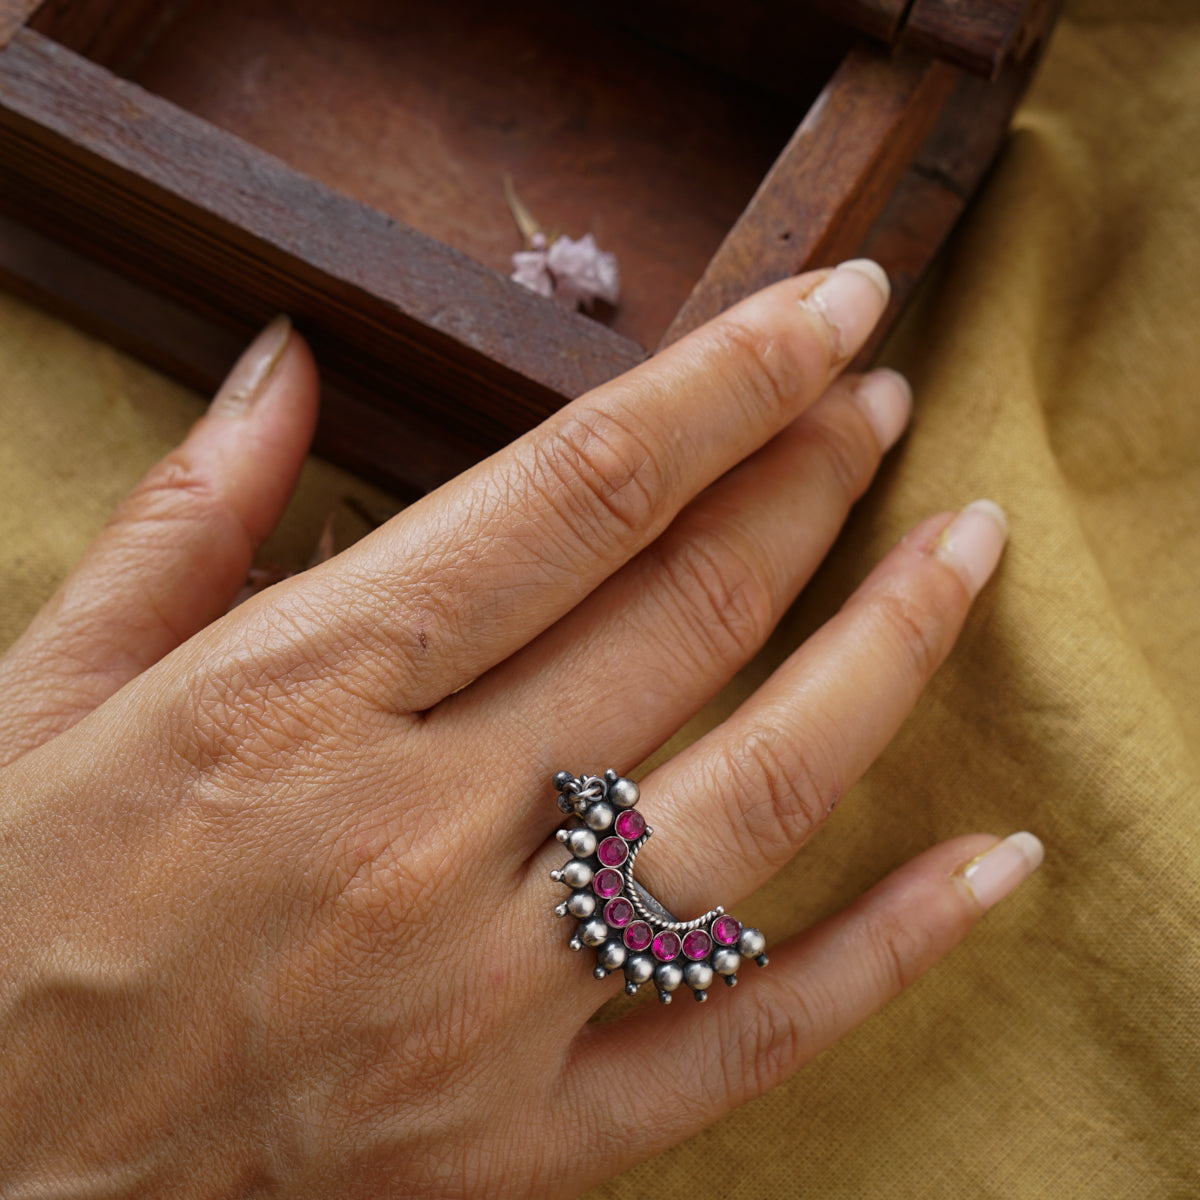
(638, 936)
(696, 945)
(631, 825)
(727, 930)
(618, 913)
(666, 946)
(607, 883)
(612, 852)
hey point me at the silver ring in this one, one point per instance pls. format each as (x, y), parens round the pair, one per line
(618, 917)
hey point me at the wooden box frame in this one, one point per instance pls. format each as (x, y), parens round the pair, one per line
(176, 239)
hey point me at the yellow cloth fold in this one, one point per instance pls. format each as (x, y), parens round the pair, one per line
(1055, 354)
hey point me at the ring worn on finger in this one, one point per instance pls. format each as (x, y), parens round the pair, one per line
(617, 916)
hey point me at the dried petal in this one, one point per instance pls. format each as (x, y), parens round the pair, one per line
(583, 273)
(530, 270)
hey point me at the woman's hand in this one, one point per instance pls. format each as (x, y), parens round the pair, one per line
(277, 906)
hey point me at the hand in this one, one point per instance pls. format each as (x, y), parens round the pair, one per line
(277, 906)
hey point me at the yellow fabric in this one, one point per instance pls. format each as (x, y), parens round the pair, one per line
(1056, 357)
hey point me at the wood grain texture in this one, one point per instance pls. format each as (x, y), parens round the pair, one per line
(13, 15)
(946, 173)
(832, 181)
(230, 231)
(421, 110)
(979, 37)
(366, 433)
(112, 33)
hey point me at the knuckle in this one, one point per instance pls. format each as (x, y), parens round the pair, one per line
(599, 473)
(727, 607)
(768, 375)
(914, 624)
(257, 703)
(787, 790)
(846, 447)
(770, 1048)
(898, 949)
(174, 493)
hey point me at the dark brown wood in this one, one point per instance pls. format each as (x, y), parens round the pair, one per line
(420, 112)
(832, 181)
(876, 18)
(247, 166)
(364, 432)
(978, 36)
(229, 230)
(112, 33)
(780, 46)
(946, 172)
(13, 16)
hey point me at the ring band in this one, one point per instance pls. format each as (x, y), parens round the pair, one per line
(618, 917)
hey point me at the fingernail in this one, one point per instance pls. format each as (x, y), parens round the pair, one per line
(244, 384)
(972, 543)
(993, 875)
(851, 300)
(885, 399)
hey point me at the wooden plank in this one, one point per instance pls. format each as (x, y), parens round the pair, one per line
(979, 37)
(946, 173)
(371, 435)
(215, 223)
(831, 182)
(13, 16)
(109, 32)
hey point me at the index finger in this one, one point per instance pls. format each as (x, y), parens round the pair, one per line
(475, 570)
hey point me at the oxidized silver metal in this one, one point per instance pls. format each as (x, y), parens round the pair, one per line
(618, 916)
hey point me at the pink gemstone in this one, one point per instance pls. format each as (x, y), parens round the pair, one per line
(696, 944)
(612, 852)
(666, 946)
(638, 936)
(631, 825)
(607, 883)
(727, 930)
(618, 913)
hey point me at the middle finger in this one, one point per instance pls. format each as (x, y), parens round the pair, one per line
(477, 569)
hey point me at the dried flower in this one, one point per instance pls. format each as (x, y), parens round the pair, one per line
(576, 272)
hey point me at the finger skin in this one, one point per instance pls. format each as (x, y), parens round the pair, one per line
(511, 546)
(175, 552)
(756, 788)
(689, 611)
(693, 1066)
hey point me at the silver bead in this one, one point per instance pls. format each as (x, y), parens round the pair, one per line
(581, 904)
(576, 874)
(752, 943)
(593, 932)
(624, 793)
(698, 976)
(611, 955)
(667, 977)
(581, 842)
(639, 968)
(560, 910)
(726, 961)
(562, 779)
(575, 943)
(599, 816)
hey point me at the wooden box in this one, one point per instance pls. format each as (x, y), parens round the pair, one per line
(175, 172)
